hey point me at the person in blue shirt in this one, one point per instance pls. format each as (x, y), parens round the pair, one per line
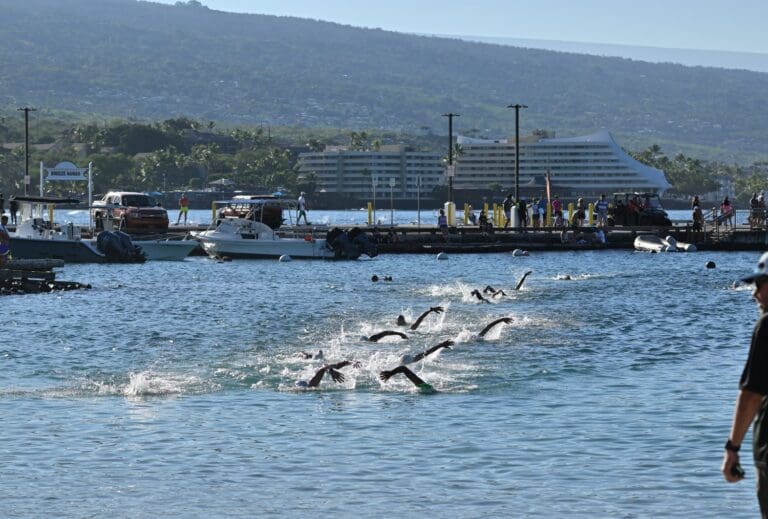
(601, 208)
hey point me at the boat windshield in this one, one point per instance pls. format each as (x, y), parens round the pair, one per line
(138, 201)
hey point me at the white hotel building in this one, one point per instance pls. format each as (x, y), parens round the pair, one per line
(586, 165)
(579, 166)
(354, 173)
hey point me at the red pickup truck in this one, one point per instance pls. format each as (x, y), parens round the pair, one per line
(134, 213)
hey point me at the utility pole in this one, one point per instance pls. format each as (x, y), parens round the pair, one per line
(26, 111)
(450, 117)
(517, 108)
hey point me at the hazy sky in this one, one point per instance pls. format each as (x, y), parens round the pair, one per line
(736, 25)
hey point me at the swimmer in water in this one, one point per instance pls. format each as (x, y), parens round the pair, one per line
(522, 279)
(490, 290)
(488, 328)
(306, 356)
(479, 296)
(408, 359)
(413, 377)
(377, 336)
(328, 368)
(494, 292)
(402, 322)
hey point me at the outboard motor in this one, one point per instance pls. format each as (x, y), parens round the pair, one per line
(340, 244)
(363, 243)
(118, 247)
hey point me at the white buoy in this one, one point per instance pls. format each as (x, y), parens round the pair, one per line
(284, 258)
(442, 256)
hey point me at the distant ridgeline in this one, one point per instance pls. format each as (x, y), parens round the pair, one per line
(125, 58)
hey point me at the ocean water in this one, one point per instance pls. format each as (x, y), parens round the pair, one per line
(167, 390)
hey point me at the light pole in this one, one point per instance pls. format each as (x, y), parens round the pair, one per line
(391, 202)
(517, 108)
(418, 202)
(26, 111)
(374, 180)
(450, 117)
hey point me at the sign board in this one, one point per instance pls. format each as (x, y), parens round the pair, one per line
(392, 182)
(66, 171)
(450, 170)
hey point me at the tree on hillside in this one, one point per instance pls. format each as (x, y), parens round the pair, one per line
(315, 145)
(163, 169)
(358, 141)
(204, 155)
(12, 169)
(178, 125)
(113, 171)
(687, 175)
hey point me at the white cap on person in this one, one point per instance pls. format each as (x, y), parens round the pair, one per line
(760, 272)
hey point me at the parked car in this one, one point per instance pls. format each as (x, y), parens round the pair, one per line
(134, 213)
(642, 209)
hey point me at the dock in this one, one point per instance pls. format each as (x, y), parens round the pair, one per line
(427, 239)
(31, 276)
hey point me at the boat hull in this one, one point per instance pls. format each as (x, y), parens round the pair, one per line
(71, 251)
(245, 248)
(166, 250)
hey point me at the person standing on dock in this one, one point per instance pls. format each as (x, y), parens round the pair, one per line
(5, 241)
(442, 222)
(508, 203)
(751, 403)
(726, 210)
(14, 208)
(522, 213)
(557, 211)
(302, 209)
(183, 208)
(601, 208)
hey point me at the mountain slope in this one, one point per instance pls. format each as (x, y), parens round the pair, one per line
(139, 59)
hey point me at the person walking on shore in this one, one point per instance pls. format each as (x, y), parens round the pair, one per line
(751, 403)
(302, 209)
(183, 208)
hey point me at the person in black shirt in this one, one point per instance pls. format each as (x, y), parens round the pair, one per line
(14, 209)
(751, 403)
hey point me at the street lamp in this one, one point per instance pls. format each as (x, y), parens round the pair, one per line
(374, 180)
(517, 108)
(450, 117)
(26, 111)
(418, 202)
(391, 202)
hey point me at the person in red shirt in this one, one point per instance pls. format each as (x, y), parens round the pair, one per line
(183, 208)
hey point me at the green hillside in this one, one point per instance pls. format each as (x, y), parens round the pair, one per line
(124, 58)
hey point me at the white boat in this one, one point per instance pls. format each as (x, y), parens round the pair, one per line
(38, 238)
(167, 250)
(249, 237)
(653, 243)
(242, 238)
